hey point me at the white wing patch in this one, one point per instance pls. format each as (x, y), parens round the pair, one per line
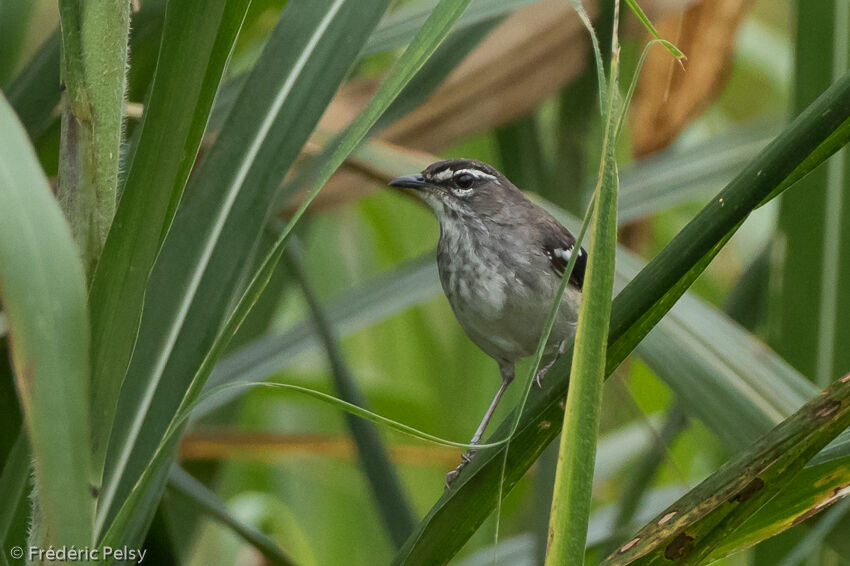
(564, 254)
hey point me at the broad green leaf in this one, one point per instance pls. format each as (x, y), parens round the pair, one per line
(43, 293)
(690, 172)
(205, 253)
(208, 503)
(814, 489)
(807, 314)
(636, 310)
(577, 454)
(695, 526)
(197, 39)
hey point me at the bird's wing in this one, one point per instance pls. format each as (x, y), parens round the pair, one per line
(559, 245)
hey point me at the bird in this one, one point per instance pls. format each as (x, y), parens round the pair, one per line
(501, 259)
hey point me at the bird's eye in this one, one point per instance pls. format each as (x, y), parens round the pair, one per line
(464, 180)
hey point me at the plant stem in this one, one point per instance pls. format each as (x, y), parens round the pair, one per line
(94, 59)
(577, 455)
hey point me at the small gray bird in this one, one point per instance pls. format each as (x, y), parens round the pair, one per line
(501, 259)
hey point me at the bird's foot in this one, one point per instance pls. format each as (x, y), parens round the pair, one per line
(538, 379)
(465, 458)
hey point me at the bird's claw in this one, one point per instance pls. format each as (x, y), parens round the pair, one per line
(465, 458)
(538, 379)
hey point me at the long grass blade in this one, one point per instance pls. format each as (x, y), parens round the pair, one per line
(577, 455)
(42, 288)
(171, 133)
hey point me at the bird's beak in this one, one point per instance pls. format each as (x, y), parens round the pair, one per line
(409, 182)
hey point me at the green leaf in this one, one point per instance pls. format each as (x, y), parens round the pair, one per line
(43, 294)
(658, 286)
(390, 497)
(34, 94)
(577, 454)
(635, 311)
(400, 26)
(205, 253)
(198, 37)
(198, 495)
(674, 51)
(696, 525)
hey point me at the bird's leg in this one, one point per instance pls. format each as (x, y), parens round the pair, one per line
(538, 379)
(507, 371)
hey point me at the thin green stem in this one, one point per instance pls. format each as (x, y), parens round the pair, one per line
(94, 59)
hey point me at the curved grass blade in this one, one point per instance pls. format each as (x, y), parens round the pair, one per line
(42, 289)
(205, 253)
(392, 502)
(635, 311)
(171, 132)
(692, 528)
(207, 502)
(638, 11)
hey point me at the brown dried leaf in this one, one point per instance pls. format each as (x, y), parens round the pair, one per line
(669, 96)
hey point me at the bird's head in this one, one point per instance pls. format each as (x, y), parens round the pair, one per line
(464, 187)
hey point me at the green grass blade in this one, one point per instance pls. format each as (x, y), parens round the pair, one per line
(391, 500)
(577, 455)
(457, 514)
(399, 27)
(42, 288)
(93, 67)
(34, 94)
(657, 287)
(813, 490)
(638, 11)
(207, 250)
(693, 527)
(197, 40)
(205, 501)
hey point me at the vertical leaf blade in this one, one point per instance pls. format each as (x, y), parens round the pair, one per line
(43, 292)
(197, 40)
(219, 223)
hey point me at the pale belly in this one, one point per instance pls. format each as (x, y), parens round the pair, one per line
(505, 316)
